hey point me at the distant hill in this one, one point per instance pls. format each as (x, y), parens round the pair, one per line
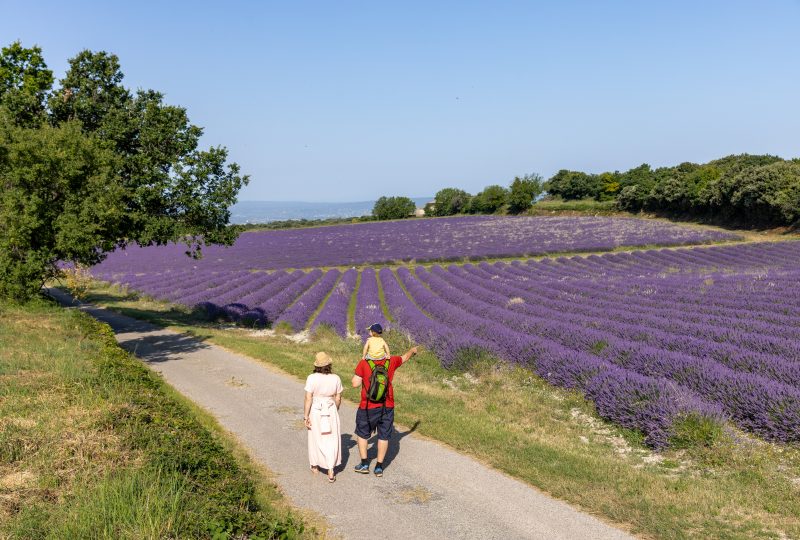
(266, 211)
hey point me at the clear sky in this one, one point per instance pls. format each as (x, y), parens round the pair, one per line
(341, 101)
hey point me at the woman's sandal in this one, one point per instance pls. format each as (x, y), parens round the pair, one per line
(331, 479)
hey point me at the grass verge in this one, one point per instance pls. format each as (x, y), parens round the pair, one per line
(732, 486)
(581, 206)
(94, 445)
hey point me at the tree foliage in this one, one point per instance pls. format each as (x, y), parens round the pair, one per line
(523, 192)
(93, 167)
(573, 185)
(24, 84)
(451, 201)
(739, 189)
(489, 201)
(393, 208)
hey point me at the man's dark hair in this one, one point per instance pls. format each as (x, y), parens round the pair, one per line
(324, 369)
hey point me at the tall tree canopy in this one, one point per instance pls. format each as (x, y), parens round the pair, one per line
(489, 201)
(393, 208)
(24, 83)
(451, 201)
(522, 192)
(90, 167)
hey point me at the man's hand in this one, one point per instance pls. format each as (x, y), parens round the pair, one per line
(409, 353)
(356, 381)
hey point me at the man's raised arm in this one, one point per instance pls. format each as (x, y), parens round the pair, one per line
(408, 354)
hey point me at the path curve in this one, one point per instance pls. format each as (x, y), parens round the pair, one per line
(428, 491)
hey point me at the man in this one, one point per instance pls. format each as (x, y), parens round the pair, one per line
(376, 416)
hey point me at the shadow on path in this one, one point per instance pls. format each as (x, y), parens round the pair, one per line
(394, 444)
(145, 340)
(348, 442)
(161, 347)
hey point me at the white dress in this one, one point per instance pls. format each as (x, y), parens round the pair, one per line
(325, 435)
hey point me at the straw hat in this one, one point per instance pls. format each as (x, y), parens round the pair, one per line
(322, 360)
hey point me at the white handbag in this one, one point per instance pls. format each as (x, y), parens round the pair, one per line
(325, 423)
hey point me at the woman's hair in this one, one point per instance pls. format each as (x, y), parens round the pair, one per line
(324, 369)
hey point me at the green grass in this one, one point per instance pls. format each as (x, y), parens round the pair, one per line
(351, 308)
(584, 206)
(94, 445)
(729, 486)
(321, 305)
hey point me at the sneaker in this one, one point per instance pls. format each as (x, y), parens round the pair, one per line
(362, 468)
(378, 470)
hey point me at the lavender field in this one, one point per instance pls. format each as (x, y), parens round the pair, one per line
(449, 239)
(652, 337)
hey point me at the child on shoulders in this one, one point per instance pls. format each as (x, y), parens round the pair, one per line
(375, 348)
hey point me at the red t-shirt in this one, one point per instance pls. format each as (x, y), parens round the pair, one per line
(363, 370)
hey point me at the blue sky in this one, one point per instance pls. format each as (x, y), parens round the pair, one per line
(341, 101)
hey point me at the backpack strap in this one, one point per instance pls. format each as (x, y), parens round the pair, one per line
(386, 365)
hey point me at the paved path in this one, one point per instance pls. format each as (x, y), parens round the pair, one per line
(428, 491)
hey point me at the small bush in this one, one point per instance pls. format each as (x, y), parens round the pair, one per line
(393, 208)
(693, 430)
(78, 280)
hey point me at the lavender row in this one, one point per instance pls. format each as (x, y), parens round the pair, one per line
(763, 406)
(368, 303)
(300, 312)
(335, 311)
(457, 238)
(650, 405)
(275, 305)
(724, 344)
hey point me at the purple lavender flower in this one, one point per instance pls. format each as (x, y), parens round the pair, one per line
(334, 312)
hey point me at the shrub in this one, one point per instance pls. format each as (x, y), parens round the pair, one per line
(523, 192)
(573, 185)
(489, 201)
(451, 201)
(393, 208)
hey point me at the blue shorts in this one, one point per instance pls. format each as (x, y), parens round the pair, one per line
(380, 419)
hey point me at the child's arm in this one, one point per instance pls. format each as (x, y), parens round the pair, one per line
(364, 351)
(386, 348)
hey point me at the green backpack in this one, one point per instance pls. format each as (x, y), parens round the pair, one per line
(378, 382)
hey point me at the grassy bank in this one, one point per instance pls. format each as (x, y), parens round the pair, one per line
(736, 487)
(93, 445)
(581, 207)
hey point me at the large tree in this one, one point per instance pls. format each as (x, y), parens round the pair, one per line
(393, 208)
(112, 168)
(523, 192)
(489, 201)
(24, 84)
(450, 201)
(573, 185)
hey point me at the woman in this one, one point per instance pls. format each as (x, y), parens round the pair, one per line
(321, 415)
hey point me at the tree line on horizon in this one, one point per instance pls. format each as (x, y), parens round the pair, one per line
(88, 166)
(740, 190)
(744, 190)
(515, 199)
